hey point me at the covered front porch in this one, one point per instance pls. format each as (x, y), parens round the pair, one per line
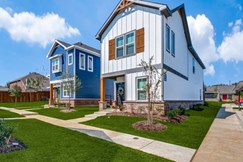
(55, 94)
(239, 93)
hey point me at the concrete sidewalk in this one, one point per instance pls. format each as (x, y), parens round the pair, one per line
(224, 141)
(162, 149)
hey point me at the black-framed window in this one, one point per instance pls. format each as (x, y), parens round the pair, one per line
(193, 66)
(167, 38)
(172, 43)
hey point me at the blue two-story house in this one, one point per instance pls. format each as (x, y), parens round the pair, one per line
(80, 61)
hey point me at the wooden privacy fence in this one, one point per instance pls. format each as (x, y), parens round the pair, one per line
(25, 97)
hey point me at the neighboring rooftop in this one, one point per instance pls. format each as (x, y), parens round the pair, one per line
(223, 89)
(3, 89)
(82, 45)
(33, 78)
(239, 86)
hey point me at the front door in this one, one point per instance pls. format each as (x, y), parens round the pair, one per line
(224, 97)
(120, 93)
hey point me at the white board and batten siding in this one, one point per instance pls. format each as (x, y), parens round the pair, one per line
(177, 88)
(134, 18)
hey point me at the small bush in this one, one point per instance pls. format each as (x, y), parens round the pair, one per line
(205, 104)
(5, 133)
(197, 107)
(181, 111)
(178, 111)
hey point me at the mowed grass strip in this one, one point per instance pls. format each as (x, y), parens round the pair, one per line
(7, 114)
(79, 113)
(24, 105)
(46, 142)
(190, 133)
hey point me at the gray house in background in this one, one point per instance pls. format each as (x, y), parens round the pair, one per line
(220, 93)
(3, 89)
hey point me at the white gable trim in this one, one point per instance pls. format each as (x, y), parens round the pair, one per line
(53, 47)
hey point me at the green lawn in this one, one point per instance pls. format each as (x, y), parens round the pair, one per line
(80, 112)
(190, 133)
(46, 142)
(24, 105)
(7, 114)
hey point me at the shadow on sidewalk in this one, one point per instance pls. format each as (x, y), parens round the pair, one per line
(93, 133)
(222, 114)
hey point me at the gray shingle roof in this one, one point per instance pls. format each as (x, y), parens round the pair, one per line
(64, 43)
(222, 89)
(35, 76)
(82, 45)
(239, 86)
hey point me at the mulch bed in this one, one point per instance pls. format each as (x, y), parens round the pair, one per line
(144, 126)
(14, 145)
(176, 120)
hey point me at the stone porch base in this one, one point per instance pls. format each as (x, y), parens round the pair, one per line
(160, 108)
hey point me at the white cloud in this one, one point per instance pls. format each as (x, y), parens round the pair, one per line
(30, 28)
(231, 48)
(202, 33)
(230, 24)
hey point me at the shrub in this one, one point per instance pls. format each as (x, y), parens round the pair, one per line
(197, 107)
(205, 104)
(178, 111)
(5, 133)
(181, 110)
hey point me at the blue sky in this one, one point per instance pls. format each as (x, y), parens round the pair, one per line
(28, 28)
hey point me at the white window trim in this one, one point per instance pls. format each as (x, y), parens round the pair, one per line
(138, 78)
(92, 68)
(66, 91)
(134, 42)
(59, 63)
(81, 54)
(70, 55)
(167, 37)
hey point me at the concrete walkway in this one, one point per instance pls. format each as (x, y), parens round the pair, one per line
(162, 149)
(224, 141)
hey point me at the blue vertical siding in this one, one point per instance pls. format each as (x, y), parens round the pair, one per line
(59, 50)
(90, 80)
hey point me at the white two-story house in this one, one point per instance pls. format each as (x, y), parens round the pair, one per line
(138, 30)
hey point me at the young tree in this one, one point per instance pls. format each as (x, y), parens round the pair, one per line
(154, 79)
(70, 84)
(16, 92)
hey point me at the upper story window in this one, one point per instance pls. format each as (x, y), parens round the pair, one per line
(56, 65)
(167, 38)
(125, 47)
(193, 66)
(70, 59)
(172, 43)
(130, 43)
(90, 63)
(82, 61)
(141, 89)
(120, 46)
